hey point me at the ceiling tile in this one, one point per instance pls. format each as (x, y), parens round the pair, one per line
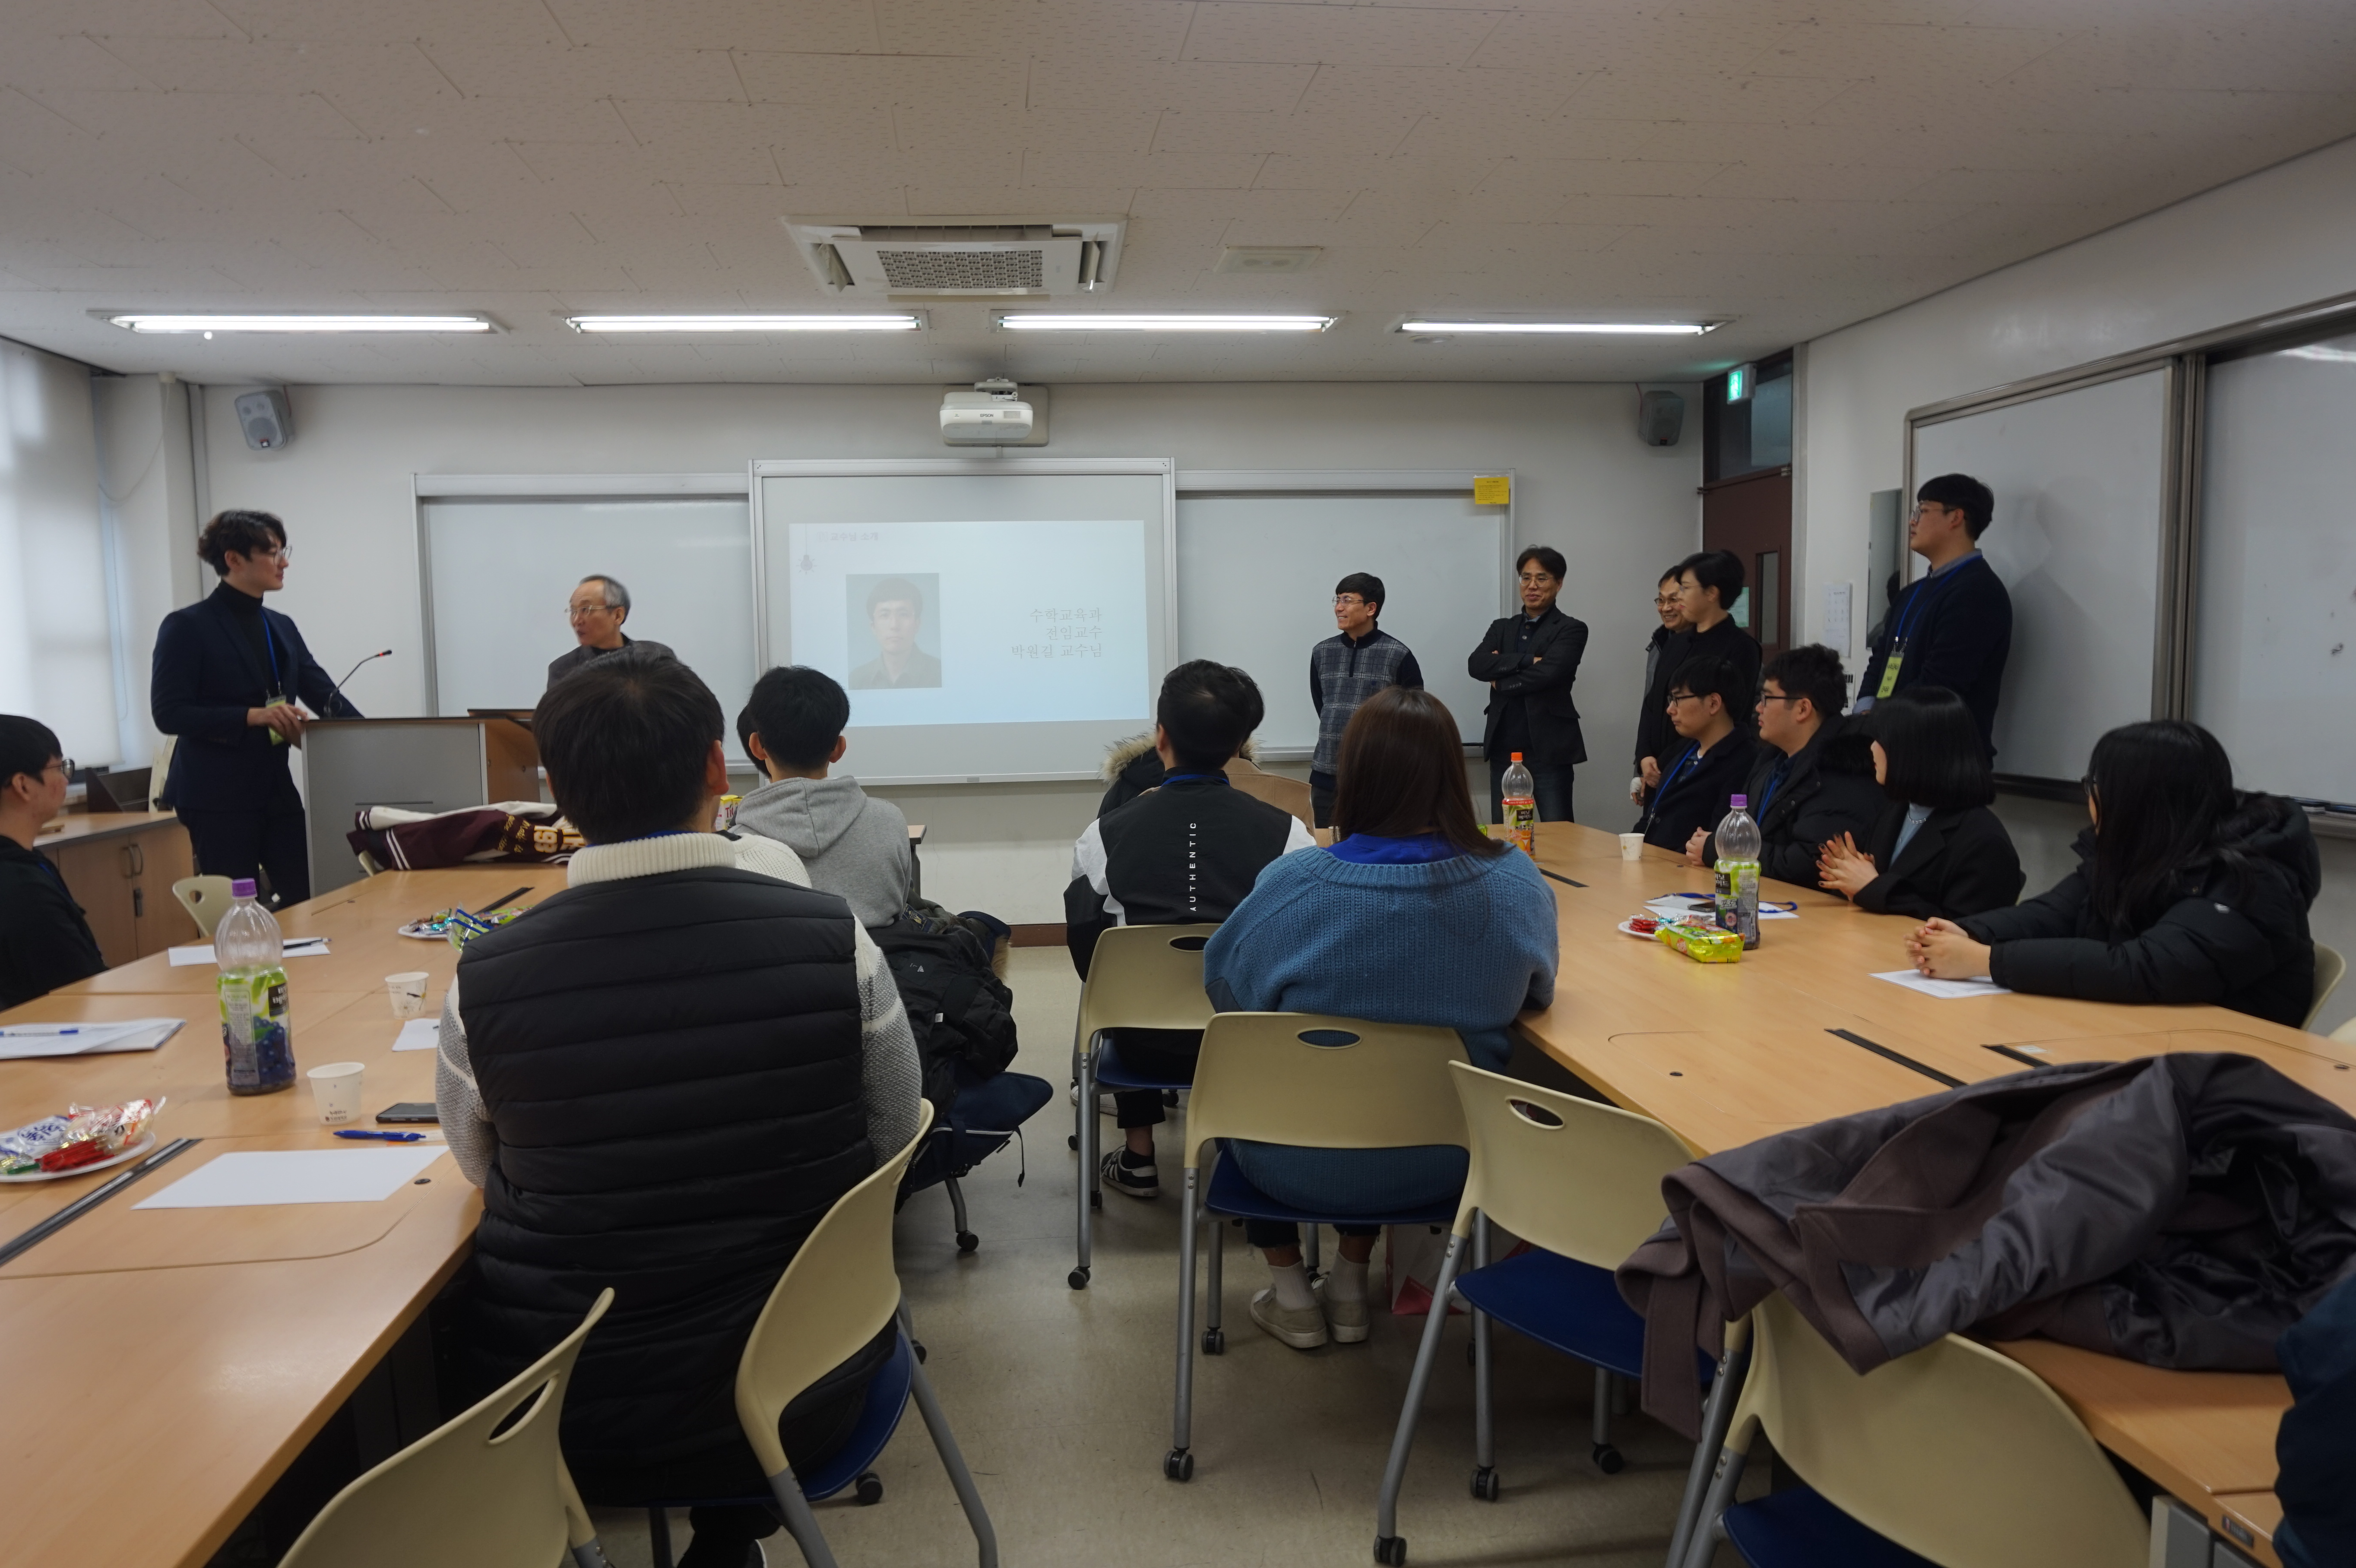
(876, 82)
(1337, 35)
(1205, 90)
(810, 26)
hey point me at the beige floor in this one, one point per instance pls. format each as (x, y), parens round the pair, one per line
(1061, 1399)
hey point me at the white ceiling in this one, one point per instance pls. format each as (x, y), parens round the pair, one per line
(1794, 166)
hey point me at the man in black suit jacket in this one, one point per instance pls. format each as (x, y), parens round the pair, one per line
(1530, 661)
(1712, 760)
(1953, 626)
(227, 676)
(1812, 780)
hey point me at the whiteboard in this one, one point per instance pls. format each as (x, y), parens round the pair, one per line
(1256, 575)
(499, 568)
(2275, 617)
(2079, 479)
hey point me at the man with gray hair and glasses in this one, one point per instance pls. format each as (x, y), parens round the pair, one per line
(598, 609)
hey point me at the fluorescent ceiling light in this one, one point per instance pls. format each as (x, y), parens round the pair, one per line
(1102, 322)
(209, 325)
(1607, 329)
(745, 323)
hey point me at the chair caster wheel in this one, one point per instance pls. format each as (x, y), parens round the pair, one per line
(1215, 1341)
(1390, 1550)
(1608, 1459)
(1077, 1279)
(1072, 1142)
(967, 1241)
(1484, 1484)
(1178, 1464)
(870, 1489)
(918, 1347)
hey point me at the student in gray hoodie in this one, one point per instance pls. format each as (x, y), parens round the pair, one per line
(854, 846)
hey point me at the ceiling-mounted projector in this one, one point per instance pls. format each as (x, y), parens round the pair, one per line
(993, 414)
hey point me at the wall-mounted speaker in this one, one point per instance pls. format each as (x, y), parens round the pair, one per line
(266, 418)
(1660, 418)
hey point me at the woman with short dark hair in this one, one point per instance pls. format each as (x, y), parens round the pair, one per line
(1414, 916)
(225, 679)
(1937, 849)
(2187, 890)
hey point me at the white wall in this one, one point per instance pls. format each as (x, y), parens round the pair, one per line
(57, 663)
(1618, 509)
(146, 497)
(2271, 241)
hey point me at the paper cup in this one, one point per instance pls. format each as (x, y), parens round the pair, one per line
(1632, 846)
(407, 993)
(336, 1087)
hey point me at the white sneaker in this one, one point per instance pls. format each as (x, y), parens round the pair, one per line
(1348, 1320)
(1302, 1327)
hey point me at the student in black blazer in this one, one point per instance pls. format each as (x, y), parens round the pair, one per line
(1953, 626)
(227, 676)
(1937, 849)
(1711, 762)
(1530, 661)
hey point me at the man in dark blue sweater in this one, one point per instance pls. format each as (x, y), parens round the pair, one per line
(1953, 627)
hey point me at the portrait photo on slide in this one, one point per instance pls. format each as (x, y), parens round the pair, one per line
(891, 622)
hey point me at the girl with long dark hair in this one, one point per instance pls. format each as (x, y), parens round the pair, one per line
(1414, 916)
(1937, 849)
(2187, 890)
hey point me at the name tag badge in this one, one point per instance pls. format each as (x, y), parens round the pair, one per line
(276, 738)
(1890, 672)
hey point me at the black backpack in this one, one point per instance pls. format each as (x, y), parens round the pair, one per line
(962, 1013)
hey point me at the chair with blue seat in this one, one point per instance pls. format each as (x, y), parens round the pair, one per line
(1581, 1183)
(1954, 1457)
(837, 1295)
(1305, 1081)
(1139, 977)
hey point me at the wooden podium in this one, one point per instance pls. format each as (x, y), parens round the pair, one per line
(418, 764)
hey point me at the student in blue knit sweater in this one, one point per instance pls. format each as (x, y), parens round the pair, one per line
(1414, 916)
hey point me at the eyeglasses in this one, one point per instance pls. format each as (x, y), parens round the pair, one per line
(1780, 696)
(1538, 579)
(583, 612)
(1665, 601)
(1346, 601)
(64, 764)
(1677, 697)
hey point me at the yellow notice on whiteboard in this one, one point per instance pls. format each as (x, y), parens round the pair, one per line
(1492, 489)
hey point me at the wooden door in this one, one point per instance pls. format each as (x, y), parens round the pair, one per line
(1751, 517)
(98, 872)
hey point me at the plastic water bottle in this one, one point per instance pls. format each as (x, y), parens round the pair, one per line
(1519, 800)
(255, 1043)
(1737, 872)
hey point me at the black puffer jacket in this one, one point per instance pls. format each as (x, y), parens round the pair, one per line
(673, 1066)
(1827, 791)
(2236, 936)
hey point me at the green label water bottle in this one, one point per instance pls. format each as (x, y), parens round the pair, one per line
(257, 1047)
(1737, 843)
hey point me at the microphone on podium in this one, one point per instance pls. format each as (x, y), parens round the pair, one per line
(336, 693)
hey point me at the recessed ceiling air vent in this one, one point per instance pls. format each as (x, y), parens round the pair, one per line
(935, 260)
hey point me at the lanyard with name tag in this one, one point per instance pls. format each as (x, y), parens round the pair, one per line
(273, 697)
(1930, 588)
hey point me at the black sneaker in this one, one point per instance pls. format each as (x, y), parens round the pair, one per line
(1132, 1173)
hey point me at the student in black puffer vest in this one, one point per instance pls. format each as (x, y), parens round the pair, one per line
(662, 1077)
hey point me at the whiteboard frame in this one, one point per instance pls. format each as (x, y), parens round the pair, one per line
(425, 488)
(760, 468)
(1353, 482)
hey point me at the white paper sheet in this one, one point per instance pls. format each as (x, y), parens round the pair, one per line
(293, 947)
(297, 1176)
(419, 1034)
(1945, 991)
(22, 1041)
(1675, 904)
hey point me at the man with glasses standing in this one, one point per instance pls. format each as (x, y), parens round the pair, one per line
(598, 607)
(1346, 669)
(227, 676)
(1953, 626)
(1530, 661)
(45, 943)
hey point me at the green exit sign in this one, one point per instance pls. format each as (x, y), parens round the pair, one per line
(1738, 383)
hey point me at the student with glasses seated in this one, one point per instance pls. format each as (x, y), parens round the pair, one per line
(45, 943)
(1414, 916)
(1346, 669)
(1711, 762)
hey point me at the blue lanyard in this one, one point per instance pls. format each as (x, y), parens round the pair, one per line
(1775, 778)
(271, 644)
(1929, 588)
(1671, 776)
(1203, 777)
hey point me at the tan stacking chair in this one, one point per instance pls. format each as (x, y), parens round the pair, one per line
(1313, 1081)
(206, 899)
(2330, 969)
(1582, 1182)
(1140, 976)
(836, 1295)
(469, 1493)
(1955, 1453)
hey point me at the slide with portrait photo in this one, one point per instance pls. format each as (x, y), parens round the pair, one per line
(974, 622)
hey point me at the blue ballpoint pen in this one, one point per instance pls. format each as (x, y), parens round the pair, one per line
(380, 1137)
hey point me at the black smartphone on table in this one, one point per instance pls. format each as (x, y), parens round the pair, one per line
(411, 1111)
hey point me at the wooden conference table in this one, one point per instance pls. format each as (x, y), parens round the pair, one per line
(1726, 1054)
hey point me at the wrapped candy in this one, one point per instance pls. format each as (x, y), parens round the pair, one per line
(84, 1136)
(1702, 943)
